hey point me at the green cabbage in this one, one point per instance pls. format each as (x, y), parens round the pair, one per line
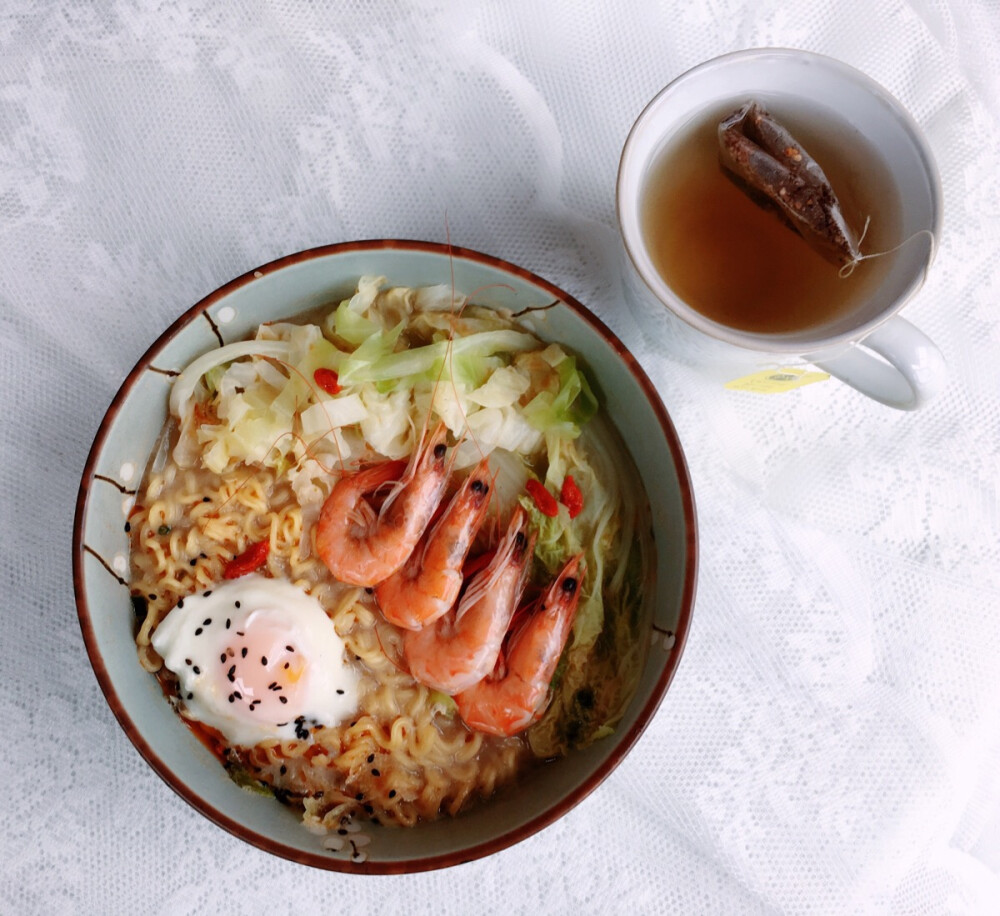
(600, 667)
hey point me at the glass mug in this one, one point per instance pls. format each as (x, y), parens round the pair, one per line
(869, 346)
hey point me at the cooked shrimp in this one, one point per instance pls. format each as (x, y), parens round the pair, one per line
(361, 546)
(516, 694)
(427, 585)
(462, 647)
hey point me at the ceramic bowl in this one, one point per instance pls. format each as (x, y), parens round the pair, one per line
(126, 438)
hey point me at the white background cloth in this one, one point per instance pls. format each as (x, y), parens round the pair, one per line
(831, 743)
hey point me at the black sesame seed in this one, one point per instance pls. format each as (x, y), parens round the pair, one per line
(369, 809)
(128, 526)
(196, 669)
(228, 623)
(371, 757)
(232, 698)
(283, 770)
(392, 793)
(237, 604)
(193, 562)
(243, 652)
(222, 658)
(286, 665)
(289, 648)
(359, 797)
(263, 660)
(206, 499)
(198, 632)
(238, 695)
(207, 622)
(190, 696)
(206, 594)
(283, 699)
(375, 772)
(151, 597)
(188, 662)
(340, 691)
(231, 674)
(180, 602)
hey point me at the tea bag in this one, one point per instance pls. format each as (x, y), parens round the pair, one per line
(770, 164)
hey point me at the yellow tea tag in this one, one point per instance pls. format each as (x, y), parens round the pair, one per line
(776, 381)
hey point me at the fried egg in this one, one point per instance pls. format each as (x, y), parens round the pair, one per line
(257, 658)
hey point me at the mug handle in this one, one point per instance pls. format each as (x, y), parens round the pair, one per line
(897, 364)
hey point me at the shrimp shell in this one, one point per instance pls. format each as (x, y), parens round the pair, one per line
(362, 547)
(462, 647)
(428, 584)
(517, 693)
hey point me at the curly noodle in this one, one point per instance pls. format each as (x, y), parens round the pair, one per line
(402, 757)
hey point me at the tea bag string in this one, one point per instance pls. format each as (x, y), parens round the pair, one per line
(849, 267)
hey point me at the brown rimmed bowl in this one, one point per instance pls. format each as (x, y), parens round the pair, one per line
(128, 433)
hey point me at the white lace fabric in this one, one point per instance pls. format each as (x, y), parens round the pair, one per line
(831, 742)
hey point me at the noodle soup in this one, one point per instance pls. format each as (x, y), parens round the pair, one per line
(262, 432)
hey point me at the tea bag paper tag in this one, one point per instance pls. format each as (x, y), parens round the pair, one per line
(776, 381)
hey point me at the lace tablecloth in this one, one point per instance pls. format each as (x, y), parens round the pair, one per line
(831, 742)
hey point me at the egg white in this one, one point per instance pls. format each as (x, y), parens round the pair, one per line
(257, 658)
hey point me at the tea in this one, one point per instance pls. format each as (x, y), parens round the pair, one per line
(738, 263)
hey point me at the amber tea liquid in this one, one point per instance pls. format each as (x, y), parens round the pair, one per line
(738, 263)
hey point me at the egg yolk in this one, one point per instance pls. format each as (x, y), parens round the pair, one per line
(265, 671)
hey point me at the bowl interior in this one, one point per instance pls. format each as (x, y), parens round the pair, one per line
(127, 437)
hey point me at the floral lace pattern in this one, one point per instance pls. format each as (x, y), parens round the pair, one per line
(831, 740)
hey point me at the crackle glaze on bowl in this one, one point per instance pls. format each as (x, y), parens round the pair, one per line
(127, 435)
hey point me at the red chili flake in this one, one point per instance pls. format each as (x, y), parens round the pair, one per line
(252, 558)
(544, 500)
(571, 496)
(327, 380)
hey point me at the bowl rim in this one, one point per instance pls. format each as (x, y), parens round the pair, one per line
(625, 741)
